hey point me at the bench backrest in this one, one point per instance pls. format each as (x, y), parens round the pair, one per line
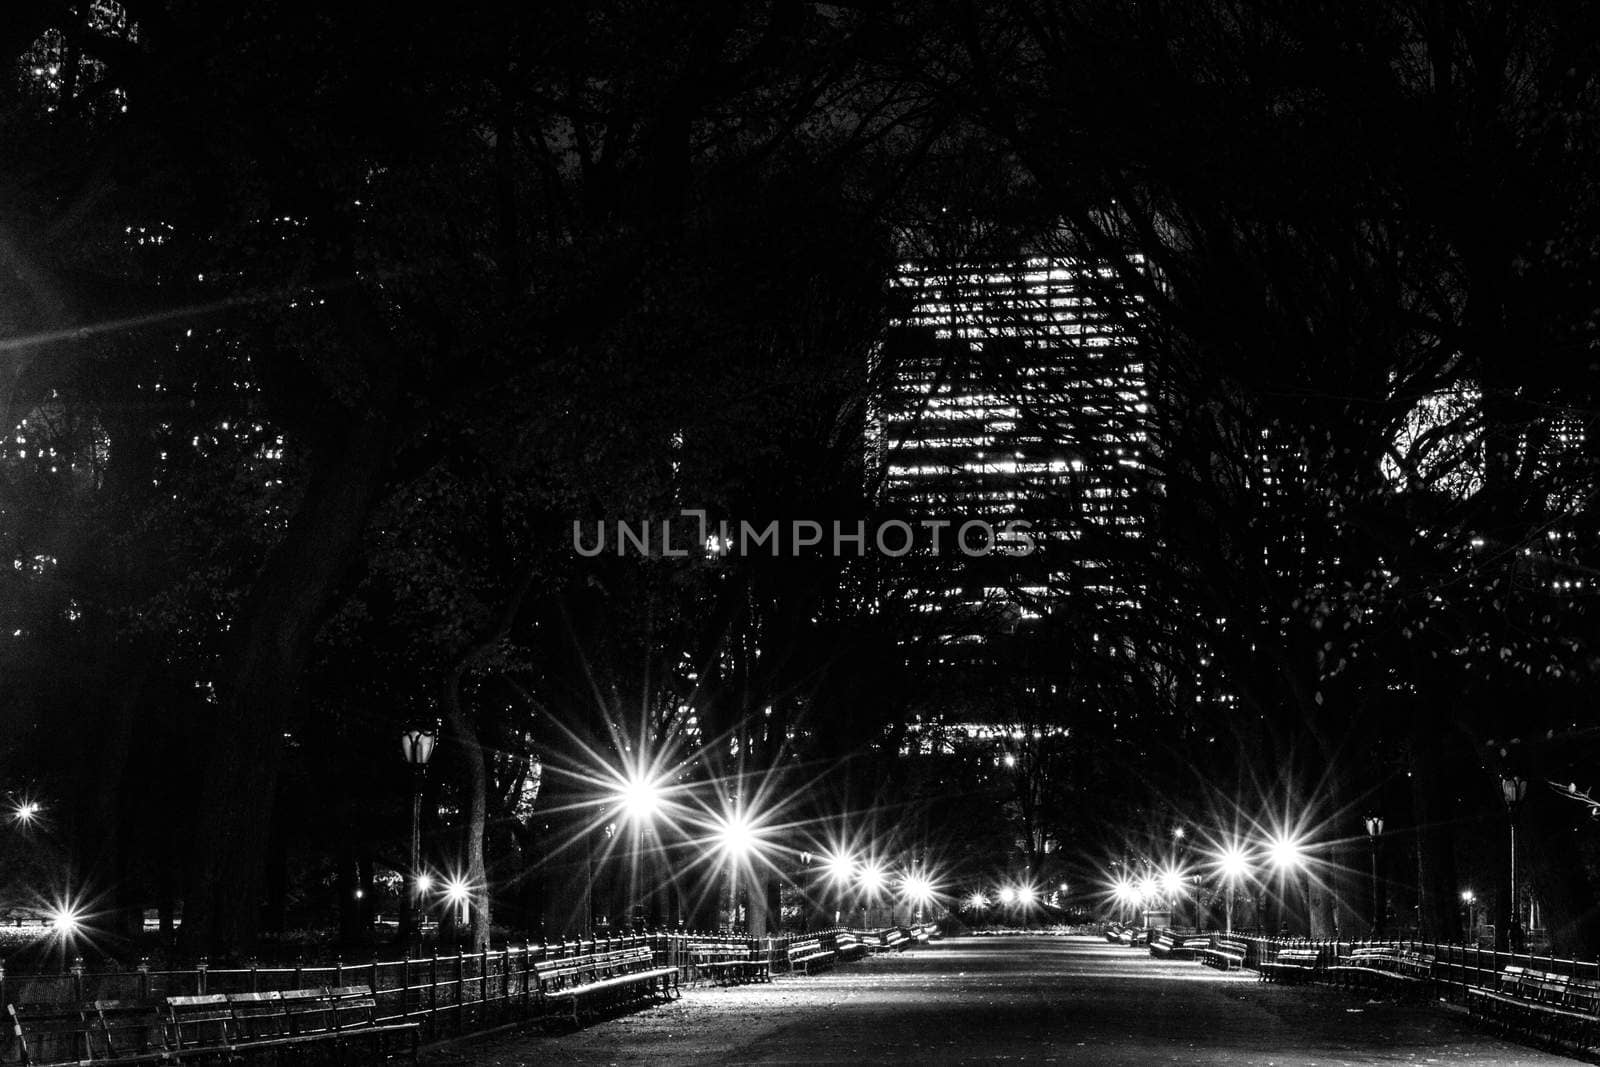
(195, 1021)
(87, 1030)
(354, 1007)
(805, 947)
(1231, 946)
(1416, 964)
(1582, 996)
(258, 1016)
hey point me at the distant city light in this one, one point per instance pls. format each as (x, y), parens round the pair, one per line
(1011, 759)
(25, 812)
(977, 902)
(1172, 882)
(1147, 888)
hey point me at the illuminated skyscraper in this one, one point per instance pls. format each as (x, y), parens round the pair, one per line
(1015, 391)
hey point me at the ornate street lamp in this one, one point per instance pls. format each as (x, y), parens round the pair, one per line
(1514, 789)
(1374, 832)
(416, 745)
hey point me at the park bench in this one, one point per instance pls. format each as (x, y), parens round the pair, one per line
(727, 964)
(95, 1031)
(894, 940)
(808, 953)
(1167, 945)
(1292, 965)
(1227, 954)
(850, 945)
(234, 1025)
(1540, 1003)
(1113, 933)
(1384, 969)
(604, 981)
(925, 932)
(1133, 936)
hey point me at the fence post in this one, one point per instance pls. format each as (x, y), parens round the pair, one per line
(77, 978)
(373, 971)
(255, 975)
(433, 995)
(144, 979)
(200, 976)
(405, 984)
(461, 983)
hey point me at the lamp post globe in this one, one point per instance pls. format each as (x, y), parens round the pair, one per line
(1374, 824)
(416, 746)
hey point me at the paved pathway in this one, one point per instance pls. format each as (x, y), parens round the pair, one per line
(1012, 1000)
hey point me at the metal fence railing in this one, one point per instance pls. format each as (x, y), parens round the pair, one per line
(1456, 967)
(449, 994)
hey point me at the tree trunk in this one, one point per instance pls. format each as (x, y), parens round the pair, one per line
(222, 891)
(1432, 812)
(476, 873)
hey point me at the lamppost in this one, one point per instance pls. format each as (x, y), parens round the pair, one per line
(1514, 789)
(1467, 900)
(416, 744)
(1287, 854)
(1374, 832)
(1233, 866)
(639, 800)
(736, 837)
(839, 868)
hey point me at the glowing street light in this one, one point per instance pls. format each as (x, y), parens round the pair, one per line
(872, 877)
(65, 920)
(424, 882)
(458, 893)
(1008, 895)
(1172, 883)
(841, 867)
(1286, 853)
(24, 812)
(639, 798)
(736, 835)
(977, 901)
(918, 891)
(1026, 895)
(1234, 866)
